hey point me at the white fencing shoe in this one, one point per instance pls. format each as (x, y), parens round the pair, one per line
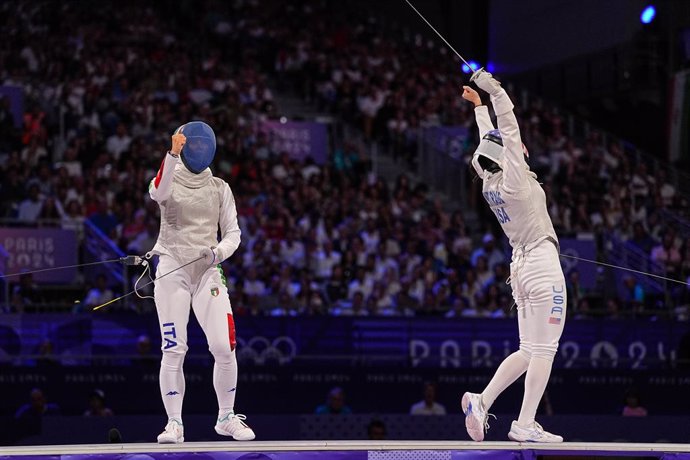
(233, 425)
(531, 433)
(173, 434)
(476, 418)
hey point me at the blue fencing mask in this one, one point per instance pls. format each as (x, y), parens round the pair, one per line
(200, 148)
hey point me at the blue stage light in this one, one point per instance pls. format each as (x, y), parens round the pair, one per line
(648, 14)
(471, 68)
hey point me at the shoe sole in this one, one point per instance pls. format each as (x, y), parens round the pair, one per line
(474, 428)
(512, 437)
(225, 433)
(171, 441)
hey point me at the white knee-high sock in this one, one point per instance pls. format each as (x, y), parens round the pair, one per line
(509, 371)
(225, 384)
(536, 380)
(172, 385)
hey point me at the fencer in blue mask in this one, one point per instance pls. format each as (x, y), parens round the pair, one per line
(194, 205)
(200, 146)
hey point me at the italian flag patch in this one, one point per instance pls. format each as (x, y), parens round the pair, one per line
(214, 292)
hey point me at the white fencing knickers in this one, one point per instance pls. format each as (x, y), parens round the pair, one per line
(203, 288)
(539, 291)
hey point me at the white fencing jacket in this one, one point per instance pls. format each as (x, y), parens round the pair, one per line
(514, 195)
(193, 207)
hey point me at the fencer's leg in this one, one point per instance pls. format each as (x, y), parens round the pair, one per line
(476, 406)
(172, 297)
(212, 308)
(547, 311)
(513, 366)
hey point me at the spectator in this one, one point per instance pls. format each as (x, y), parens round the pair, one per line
(376, 430)
(118, 142)
(72, 218)
(46, 358)
(667, 256)
(292, 251)
(613, 309)
(33, 153)
(145, 358)
(482, 271)
(25, 294)
(253, 287)
(632, 406)
(97, 295)
(133, 226)
(574, 289)
(37, 407)
(356, 308)
(335, 403)
(489, 251)
(103, 218)
(145, 240)
(363, 284)
(582, 309)
(428, 405)
(641, 239)
(29, 416)
(633, 294)
(50, 214)
(457, 308)
(30, 208)
(326, 259)
(97, 407)
(336, 288)
(71, 163)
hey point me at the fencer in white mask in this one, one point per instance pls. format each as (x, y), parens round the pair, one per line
(536, 278)
(194, 205)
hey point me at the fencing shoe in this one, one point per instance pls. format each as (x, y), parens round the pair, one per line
(173, 433)
(233, 425)
(476, 417)
(531, 433)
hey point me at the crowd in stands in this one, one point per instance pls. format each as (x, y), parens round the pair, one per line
(105, 88)
(393, 83)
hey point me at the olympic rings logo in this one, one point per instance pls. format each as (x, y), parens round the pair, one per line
(260, 350)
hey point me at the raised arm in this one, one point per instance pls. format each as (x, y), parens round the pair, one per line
(481, 112)
(161, 185)
(515, 172)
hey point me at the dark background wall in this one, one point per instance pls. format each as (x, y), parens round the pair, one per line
(462, 23)
(594, 58)
(525, 35)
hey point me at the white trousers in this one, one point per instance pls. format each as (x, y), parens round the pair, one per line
(203, 290)
(539, 292)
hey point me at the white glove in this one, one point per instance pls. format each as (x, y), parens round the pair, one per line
(486, 81)
(209, 255)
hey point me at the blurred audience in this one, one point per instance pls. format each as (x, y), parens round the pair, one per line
(317, 238)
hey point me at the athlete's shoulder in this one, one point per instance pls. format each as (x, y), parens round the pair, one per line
(219, 183)
(222, 186)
